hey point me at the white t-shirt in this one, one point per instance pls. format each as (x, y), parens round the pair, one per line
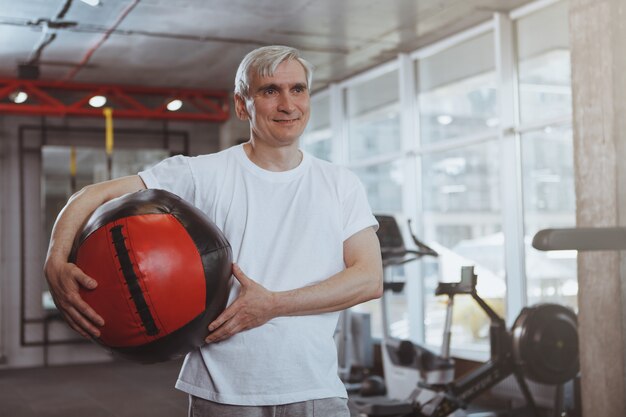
(287, 231)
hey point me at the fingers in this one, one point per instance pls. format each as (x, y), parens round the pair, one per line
(226, 331)
(226, 315)
(79, 304)
(217, 328)
(251, 309)
(80, 316)
(85, 280)
(64, 286)
(239, 274)
(223, 326)
(80, 324)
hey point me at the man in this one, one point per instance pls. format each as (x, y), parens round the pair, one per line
(304, 245)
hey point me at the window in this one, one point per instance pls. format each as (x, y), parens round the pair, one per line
(374, 117)
(373, 120)
(547, 150)
(463, 223)
(549, 202)
(463, 159)
(383, 184)
(384, 187)
(317, 139)
(457, 91)
(457, 103)
(544, 64)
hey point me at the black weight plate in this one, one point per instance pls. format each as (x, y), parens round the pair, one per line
(545, 343)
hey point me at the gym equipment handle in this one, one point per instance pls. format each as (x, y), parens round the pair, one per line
(583, 238)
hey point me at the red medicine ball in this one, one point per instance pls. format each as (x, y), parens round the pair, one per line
(163, 271)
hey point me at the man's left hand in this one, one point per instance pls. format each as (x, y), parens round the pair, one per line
(252, 308)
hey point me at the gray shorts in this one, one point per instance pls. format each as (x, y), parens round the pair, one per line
(327, 407)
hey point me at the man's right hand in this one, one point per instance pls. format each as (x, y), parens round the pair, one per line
(64, 280)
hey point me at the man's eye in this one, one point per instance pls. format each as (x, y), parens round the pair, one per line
(270, 91)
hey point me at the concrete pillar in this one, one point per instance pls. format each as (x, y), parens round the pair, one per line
(597, 37)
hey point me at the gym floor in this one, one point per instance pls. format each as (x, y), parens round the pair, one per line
(115, 389)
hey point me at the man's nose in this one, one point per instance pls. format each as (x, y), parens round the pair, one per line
(286, 103)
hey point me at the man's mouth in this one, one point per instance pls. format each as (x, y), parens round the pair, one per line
(286, 121)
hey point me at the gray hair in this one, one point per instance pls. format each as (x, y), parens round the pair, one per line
(264, 61)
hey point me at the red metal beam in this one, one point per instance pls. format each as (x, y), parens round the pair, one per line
(61, 98)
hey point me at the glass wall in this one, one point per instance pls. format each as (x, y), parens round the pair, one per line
(424, 135)
(545, 101)
(372, 122)
(317, 138)
(462, 219)
(544, 64)
(383, 184)
(461, 184)
(457, 91)
(549, 202)
(373, 114)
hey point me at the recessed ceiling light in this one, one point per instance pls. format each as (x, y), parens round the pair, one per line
(18, 97)
(97, 101)
(174, 105)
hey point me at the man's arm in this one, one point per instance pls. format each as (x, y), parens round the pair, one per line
(359, 282)
(64, 278)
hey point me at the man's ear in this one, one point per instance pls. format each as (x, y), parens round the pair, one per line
(240, 107)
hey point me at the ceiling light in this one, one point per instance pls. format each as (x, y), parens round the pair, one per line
(444, 119)
(174, 105)
(18, 97)
(93, 3)
(97, 101)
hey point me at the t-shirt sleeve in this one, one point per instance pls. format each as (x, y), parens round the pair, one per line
(357, 214)
(172, 174)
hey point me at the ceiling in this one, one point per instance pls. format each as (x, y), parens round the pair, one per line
(199, 43)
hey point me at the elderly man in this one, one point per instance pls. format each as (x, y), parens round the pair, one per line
(304, 245)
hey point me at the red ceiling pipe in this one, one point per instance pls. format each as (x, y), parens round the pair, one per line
(50, 98)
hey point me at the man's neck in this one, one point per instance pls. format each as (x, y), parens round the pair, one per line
(276, 159)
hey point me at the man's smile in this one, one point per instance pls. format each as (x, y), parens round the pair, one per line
(287, 121)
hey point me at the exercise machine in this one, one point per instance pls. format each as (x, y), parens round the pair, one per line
(405, 363)
(542, 345)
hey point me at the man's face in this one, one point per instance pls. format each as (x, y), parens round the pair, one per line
(277, 106)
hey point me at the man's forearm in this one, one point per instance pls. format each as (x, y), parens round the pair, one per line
(78, 209)
(65, 279)
(348, 288)
(255, 305)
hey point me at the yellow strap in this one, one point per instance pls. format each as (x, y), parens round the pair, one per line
(108, 116)
(73, 161)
